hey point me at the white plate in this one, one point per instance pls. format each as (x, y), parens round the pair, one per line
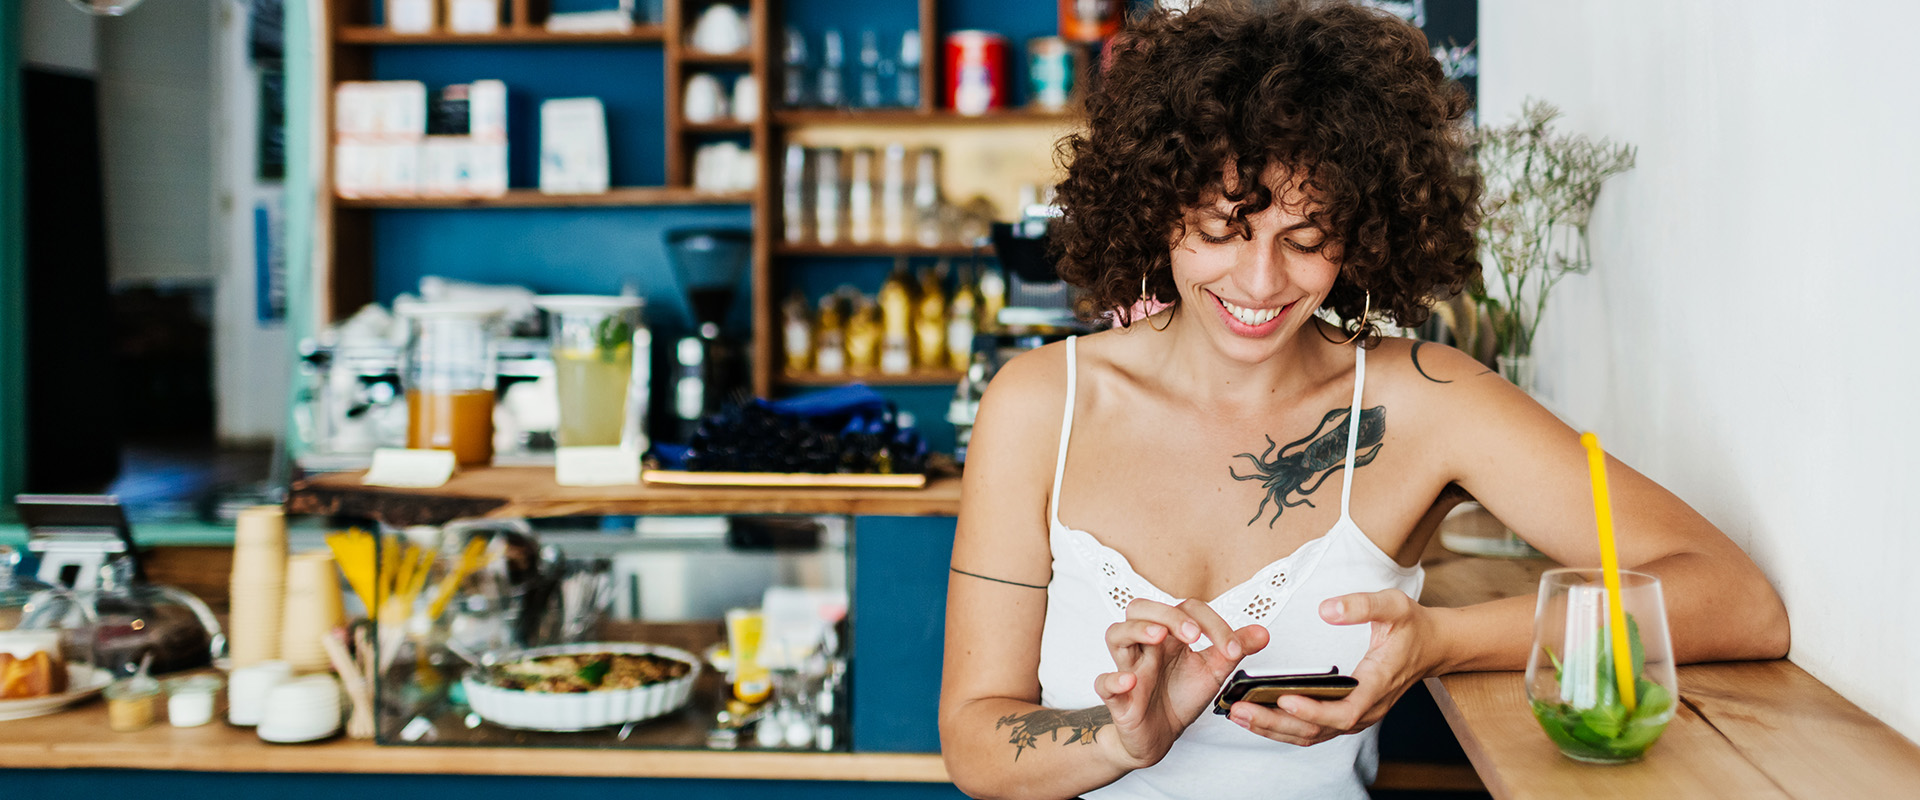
(545, 711)
(85, 682)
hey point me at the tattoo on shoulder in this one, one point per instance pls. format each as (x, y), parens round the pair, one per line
(1289, 474)
(1416, 364)
(1080, 726)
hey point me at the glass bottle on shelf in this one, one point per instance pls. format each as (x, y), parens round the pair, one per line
(993, 296)
(896, 315)
(826, 195)
(960, 319)
(893, 195)
(796, 333)
(831, 85)
(927, 228)
(863, 335)
(795, 77)
(930, 319)
(870, 94)
(860, 229)
(966, 403)
(907, 79)
(793, 195)
(830, 337)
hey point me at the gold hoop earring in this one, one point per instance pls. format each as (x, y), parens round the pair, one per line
(1362, 328)
(1146, 300)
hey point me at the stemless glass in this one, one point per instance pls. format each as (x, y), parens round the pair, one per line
(1570, 674)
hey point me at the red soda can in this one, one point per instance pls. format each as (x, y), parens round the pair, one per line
(976, 71)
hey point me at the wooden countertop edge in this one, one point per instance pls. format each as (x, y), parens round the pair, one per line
(1477, 755)
(367, 758)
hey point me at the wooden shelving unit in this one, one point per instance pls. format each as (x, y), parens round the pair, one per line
(799, 117)
(939, 377)
(377, 35)
(883, 250)
(532, 198)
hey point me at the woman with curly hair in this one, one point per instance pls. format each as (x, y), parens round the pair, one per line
(1247, 168)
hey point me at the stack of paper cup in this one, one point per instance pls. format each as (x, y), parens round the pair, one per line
(313, 609)
(257, 586)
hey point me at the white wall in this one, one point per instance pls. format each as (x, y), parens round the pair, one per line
(156, 119)
(1743, 337)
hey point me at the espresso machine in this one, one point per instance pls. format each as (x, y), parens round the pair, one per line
(708, 366)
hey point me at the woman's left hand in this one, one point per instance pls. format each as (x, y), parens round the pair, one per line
(1404, 649)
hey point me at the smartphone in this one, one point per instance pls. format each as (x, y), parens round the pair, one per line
(1267, 690)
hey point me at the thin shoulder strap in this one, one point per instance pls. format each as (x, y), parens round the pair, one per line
(1353, 426)
(1066, 431)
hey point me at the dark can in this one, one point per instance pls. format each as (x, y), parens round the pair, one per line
(976, 71)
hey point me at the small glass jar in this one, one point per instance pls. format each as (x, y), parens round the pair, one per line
(131, 703)
(190, 700)
(450, 375)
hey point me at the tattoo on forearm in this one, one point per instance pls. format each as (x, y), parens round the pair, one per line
(1080, 725)
(1423, 370)
(1285, 475)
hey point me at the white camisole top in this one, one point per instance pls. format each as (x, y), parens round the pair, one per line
(1216, 759)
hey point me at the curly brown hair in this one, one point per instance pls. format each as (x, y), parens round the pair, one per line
(1349, 99)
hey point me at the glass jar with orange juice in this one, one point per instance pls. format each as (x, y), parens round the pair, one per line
(450, 374)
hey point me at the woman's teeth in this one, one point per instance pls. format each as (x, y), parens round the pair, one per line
(1252, 316)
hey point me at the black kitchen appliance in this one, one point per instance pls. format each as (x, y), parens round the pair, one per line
(708, 365)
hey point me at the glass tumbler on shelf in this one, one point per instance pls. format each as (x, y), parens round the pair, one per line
(1571, 673)
(450, 375)
(601, 353)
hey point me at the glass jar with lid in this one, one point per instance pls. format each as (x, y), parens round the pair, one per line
(46, 643)
(136, 620)
(450, 374)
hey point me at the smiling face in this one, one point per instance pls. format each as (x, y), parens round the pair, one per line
(1253, 284)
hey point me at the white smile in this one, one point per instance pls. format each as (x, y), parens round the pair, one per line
(1253, 317)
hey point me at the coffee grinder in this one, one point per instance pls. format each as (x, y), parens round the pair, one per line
(708, 366)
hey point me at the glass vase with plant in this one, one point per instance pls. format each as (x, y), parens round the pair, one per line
(1540, 190)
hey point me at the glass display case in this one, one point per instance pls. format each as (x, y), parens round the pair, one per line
(676, 633)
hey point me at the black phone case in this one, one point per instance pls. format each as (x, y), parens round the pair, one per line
(1267, 690)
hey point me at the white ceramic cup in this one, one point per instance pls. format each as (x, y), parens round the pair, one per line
(247, 689)
(301, 710)
(704, 100)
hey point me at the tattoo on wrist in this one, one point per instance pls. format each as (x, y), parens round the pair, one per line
(1285, 474)
(1080, 725)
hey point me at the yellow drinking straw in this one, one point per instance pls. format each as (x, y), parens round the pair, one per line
(1610, 568)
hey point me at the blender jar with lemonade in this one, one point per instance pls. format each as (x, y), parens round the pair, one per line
(600, 367)
(450, 377)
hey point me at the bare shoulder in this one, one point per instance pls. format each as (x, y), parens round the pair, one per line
(1018, 424)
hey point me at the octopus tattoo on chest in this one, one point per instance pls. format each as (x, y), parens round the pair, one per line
(1296, 469)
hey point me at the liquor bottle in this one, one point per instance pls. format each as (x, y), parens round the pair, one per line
(927, 230)
(961, 320)
(796, 332)
(965, 405)
(863, 336)
(830, 338)
(831, 91)
(896, 313)
(869, 94)
(907, 93)
(794, 92)
(930, 319)
(993, 297)
(893, 195)
(860, 228)
(826, 198)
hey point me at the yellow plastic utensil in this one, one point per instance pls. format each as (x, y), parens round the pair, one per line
(1610, 568)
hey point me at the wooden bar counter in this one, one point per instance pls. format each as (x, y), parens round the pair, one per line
(496, 492)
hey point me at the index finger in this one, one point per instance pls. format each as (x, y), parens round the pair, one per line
(1214, 626)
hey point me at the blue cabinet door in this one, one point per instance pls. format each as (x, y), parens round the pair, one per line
(899, 628)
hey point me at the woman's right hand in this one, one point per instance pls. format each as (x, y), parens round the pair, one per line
(1162, 685)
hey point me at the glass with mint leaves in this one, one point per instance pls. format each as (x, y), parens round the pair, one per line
(1572, 678)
